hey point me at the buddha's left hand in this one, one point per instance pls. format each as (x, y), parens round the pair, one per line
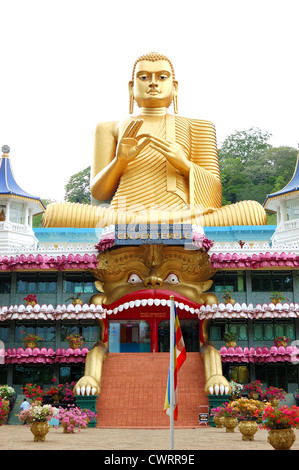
(173, 153)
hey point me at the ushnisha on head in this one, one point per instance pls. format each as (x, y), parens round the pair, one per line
(153, 83)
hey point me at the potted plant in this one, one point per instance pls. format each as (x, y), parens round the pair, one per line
(277, 297)
(228, 297)
(230, 415)
(6, 392)
(31, 340)
(68, 393)
(274, 395)
(236, 389)
(75, 341)
(218, 417)
(230, 339)
(250, 411)
(4, 410)
(33, 391)
(73, 417)
(75, 299)
(280, 423)
(30, 299)
(55, 391)
(254, 389)
(281, 341)
(37, 417)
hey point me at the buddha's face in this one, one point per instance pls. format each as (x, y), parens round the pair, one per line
(153, 84)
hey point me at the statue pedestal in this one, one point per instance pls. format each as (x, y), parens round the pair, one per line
(214, 402)
(89, 403)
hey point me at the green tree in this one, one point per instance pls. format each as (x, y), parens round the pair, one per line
(78, 187)
(37, 219)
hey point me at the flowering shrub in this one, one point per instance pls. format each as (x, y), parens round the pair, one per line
(6, 391)
(280, 418)
(33, 391)
(254, 387)
(273, 393)
(229, 411)
(41, 413)
(217, 412)
(281, 339)
(75, 340)
(248, 409)
(68, 392)
(73, 417)
(4, 411)
(74, 297)
(236, 387)
(277, 297)
(54, 389)
(31, 338)
(30, 298)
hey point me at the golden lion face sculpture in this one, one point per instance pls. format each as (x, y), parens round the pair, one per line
(148, 275)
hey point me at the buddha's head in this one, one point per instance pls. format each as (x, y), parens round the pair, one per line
(147, 272)
(153, 83)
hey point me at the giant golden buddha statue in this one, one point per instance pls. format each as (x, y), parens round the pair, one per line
(155, 167)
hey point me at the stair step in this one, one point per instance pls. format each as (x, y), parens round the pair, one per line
(134, 386)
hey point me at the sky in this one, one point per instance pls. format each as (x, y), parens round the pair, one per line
(66, 64)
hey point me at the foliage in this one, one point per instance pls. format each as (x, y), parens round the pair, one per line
(74, 297)
(251, 168)
(229, 411)
(76, 340)
(30, 298)
(273, 393)
(6, 391)
(31, 338)
(230, 336)
(54, 389)
(217, 412)
(68, 392)
(37, 219)
(4, 410)
(236, 387)
(248, 409)
(254, 387)
(73, 417)
(280, 418)
(279, 339)
(227, 294)
(40, 413)
(78, 187)
(277, 296)
(33, 391)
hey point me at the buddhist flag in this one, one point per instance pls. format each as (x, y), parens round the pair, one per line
(179, 356)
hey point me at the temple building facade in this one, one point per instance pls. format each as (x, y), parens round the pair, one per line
(56, 270)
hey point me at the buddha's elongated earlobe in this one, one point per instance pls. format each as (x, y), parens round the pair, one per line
(131, 97)
(175, 97)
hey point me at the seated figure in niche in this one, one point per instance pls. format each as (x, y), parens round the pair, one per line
(155, 167)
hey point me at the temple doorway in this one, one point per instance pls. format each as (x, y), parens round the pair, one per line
(129, 336)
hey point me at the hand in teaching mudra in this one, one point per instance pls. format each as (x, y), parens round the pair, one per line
(128, 147)
(173, 153)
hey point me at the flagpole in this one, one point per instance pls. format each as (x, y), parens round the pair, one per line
(172, 404)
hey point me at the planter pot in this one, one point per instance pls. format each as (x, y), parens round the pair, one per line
(231, 344)
(248, 430)
(77, 302)
(219, 421)
(230, 424)
(30, 344)
(281, 439)
(30, 303)
(56, 398)
(39, 430)
(230, 301)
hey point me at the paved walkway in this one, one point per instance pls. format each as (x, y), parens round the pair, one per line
(19, 437)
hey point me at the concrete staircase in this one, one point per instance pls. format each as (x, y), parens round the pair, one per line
(134, 386)
(13, 418)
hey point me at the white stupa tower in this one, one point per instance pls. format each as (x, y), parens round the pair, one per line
(286, 204)
(17, 209)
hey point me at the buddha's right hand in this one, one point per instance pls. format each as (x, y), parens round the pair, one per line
(128, 148)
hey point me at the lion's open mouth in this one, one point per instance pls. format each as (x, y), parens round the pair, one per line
(152, 300)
